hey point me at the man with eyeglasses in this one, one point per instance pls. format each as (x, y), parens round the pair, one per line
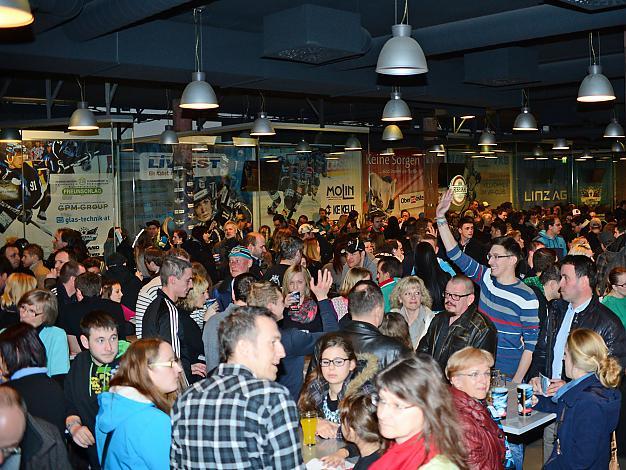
(27, 442)
(459, 326)
(550, 237)
(510, 304)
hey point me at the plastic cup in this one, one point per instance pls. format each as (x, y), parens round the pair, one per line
(500, 399)
(524, 399)
(308, 420)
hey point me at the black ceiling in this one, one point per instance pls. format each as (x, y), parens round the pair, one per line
(480, 55)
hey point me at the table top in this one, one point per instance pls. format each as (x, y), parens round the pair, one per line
(516, 424)
(322, 448)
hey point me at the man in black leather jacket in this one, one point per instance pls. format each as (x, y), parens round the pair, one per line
(582, 306)
(459, 326)
(366, 306)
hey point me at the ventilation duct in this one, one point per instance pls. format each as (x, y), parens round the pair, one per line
(501, 67)
(314, 35)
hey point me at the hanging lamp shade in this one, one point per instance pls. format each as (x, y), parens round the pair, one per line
(396, 109)
(15, 13)
(10, 135)
(303, 147)
(595, 87)
(198, 94)
(353, 143)
(487, 138)
(437, 148)
(617, 147)
(401, 55)
(560, 144)
(262, 125)
(82, 119)
(538, 151)
(245, 140)
(387, 152)
(392, 132)
(525, 121)
(168, 136)
(614, 130)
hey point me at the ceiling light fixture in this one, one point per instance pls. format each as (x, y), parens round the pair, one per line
(614, 129)
(468, 116)
(487, 138)
(387, 152)
(245, 140)
(15, 13)
(262, 126)
(198, 94)
(617, 147)
(353, 143)
(437, 148)
(10, 135)
(396, 108)
(560, 144)
(82, 119)
(303, 147)
(525, 121)
(401, 55)
(595, 87)
(392, 132)
(168, 136)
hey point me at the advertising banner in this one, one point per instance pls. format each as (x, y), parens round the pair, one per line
(48, 185)
(544, 183)
(491, 179)
(296, 183)
(396, 182)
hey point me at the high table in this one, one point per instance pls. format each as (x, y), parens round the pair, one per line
(516, 424)
(322, 448)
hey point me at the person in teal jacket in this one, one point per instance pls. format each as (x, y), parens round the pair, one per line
(134, 413)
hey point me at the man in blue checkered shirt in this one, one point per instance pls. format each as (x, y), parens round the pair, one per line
(239, 418)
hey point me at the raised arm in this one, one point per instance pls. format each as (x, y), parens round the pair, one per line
(442, 224)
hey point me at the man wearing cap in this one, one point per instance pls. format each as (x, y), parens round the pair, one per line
(357, 257)
(550, 237)
(153, 227)
(593, 236)
(239, 262)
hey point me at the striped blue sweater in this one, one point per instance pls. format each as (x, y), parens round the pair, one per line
(511, 308)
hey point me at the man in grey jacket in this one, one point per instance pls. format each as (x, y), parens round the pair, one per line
(356, 256)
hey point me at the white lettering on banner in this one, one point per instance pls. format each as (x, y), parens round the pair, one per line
(459, 189)
(545, 195)
(212, 164)
(155, 166)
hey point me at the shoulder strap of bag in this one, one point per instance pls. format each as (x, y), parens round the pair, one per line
(105, 449)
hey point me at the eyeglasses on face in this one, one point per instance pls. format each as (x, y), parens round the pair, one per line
(379, 402)
(497, 257)
(474, 375)
(169, 364)
(30, 310)
(455, 297)
(337, 362)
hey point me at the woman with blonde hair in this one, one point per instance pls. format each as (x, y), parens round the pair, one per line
(301, 306)
(587, 407)
(312, 255)
(580, 246)
(133, 415)
(411, 298)
(16, 286)
(354, 275)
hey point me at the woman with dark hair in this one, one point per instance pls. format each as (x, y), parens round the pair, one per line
(428, 269)
(615, 299)
(134, 413)
(74, 243)
(395, 326)
(392, 230)
(335, 267)
(23, 363)
(415, 410)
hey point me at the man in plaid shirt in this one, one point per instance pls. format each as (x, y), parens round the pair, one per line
(239, 418)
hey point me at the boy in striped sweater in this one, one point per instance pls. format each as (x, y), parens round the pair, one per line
(509, 303)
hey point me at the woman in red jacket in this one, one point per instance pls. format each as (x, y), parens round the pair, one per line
(469, 372)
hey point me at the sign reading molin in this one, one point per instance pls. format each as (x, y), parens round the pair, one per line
(459, 189)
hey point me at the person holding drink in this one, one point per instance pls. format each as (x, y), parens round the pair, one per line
(302, 308)
(587, 407)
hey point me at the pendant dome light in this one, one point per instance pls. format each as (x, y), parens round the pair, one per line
(10, 135)
(168, 136)
(560, 144)
(303, 147)
(487, 139)
(15, 13)
(387, 152)
(392, 132)
(595, 87)
(401, 55)
(82, 119)
(198, 94)
(617, 147)
(262, 125)
(614, 129)
(396, 108)
(437, 148)
(525, 121)
(353, 143)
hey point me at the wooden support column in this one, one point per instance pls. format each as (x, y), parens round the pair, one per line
(431, 167)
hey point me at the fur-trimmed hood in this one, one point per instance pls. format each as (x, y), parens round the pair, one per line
(366, 370)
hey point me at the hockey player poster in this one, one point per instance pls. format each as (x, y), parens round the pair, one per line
(301, 183)
(35, 195)
(396, 182)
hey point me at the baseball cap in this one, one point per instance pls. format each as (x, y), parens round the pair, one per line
(153, 222)
(240, 251)
(353, 246)
(307, 228)
(575, 212)
(595, 223)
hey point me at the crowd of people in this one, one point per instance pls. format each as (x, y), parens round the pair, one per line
(203, 350)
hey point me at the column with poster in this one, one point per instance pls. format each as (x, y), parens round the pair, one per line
(48, 185)
(396, 182)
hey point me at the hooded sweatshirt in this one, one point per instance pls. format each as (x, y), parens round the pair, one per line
(557, 243)
(141, 432)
